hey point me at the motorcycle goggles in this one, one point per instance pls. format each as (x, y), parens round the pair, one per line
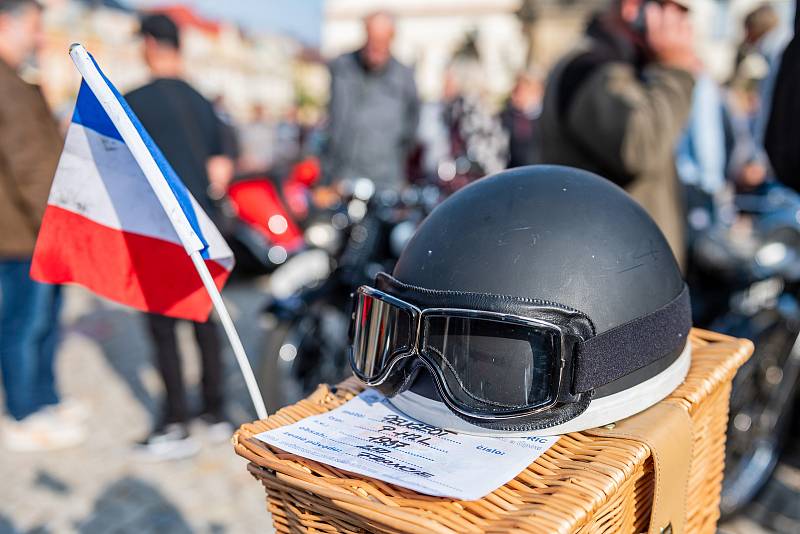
(495, 357)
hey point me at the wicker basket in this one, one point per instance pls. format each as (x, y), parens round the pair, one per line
(582, 484)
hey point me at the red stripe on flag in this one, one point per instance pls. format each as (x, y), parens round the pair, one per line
(145, 273)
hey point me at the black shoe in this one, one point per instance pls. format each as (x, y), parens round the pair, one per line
(218, 428)
(168, 442)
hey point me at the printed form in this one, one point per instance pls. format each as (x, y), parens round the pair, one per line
(370, 437)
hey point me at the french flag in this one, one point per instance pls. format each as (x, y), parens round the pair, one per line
(119, 221)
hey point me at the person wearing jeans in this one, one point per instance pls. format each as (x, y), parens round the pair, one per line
(28, 338)
(30, 145)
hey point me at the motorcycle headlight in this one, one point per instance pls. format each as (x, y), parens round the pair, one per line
(771, 254)
(322, 236)
(363, 189)
(400, 236)
(357, 209)
(780, 254)
(277, 255)
(277, 224)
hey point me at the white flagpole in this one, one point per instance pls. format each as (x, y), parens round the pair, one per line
(233, 336)
(191, 242)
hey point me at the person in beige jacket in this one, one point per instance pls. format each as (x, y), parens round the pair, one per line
(30, 145)
(617, 105)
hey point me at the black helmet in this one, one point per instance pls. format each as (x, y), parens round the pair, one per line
(539, 299)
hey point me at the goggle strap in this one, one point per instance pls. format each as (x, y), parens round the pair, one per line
(611, 355)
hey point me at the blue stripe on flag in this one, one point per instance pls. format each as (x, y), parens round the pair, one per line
(90, 114)
(175, 183)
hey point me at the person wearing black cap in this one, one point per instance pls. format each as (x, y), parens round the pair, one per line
(184, 126)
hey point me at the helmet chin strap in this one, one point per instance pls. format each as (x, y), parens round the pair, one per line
(601, 411)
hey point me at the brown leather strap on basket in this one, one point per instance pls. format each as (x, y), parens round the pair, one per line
(666, 429)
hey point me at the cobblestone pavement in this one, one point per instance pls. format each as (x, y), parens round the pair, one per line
(101, 487)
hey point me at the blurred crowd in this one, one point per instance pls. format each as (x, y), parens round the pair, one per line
(632, 102)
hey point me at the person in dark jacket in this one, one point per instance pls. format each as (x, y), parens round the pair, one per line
(186, 128)
(618, 105)
(373, 110)
(783, 128)
(520, 118)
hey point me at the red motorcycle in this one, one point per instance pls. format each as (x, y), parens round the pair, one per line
(267, 217)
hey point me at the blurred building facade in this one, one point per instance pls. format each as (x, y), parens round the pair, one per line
(241, 70)
(277, 73)
(511, 34)
(429, 32)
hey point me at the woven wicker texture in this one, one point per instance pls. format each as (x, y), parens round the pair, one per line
(582, 484)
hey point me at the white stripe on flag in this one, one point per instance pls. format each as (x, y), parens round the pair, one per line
(94, 170)
(154, 175)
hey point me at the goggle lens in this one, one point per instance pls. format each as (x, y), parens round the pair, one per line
(492, 366)
(487, 365)
(381, 331)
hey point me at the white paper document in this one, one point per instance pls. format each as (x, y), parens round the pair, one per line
(368, 436)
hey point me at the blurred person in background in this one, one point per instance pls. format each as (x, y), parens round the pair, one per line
(290, 138)
(719, 155)
(372, 112)
(520, 118)
(30, 146)
(224, 166)
(618, 105)
(751, 91)
(186, 128)
(748, 166)
(701, 155)
(256, 141)
(462, 138)
(758, 26)
(764, 40)
(781, 142)
(478, 143)
(783, 128)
